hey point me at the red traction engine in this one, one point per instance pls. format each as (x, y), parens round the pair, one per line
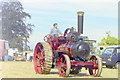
(68, 52)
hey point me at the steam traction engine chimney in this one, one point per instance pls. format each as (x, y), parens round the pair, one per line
(80, 22)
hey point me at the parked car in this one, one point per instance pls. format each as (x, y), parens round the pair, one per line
(20, 57)
(111, 57)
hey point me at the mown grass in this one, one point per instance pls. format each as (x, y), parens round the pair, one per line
(19, 69)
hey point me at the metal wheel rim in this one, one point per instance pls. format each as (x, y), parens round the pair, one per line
(97, 72)
(117, 65)
(64, 66)
(39, 58)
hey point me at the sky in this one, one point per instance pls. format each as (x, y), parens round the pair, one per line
(100, 16)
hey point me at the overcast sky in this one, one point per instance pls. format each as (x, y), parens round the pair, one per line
(100, 16)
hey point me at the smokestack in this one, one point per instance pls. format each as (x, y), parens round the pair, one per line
(80, 22)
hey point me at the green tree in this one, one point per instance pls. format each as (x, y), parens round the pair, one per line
(14, 26)
(109, 40)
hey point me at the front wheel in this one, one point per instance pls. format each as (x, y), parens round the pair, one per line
(117, 65)
(97, 69)
(64, 65)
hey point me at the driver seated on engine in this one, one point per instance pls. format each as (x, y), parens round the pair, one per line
(55, 32)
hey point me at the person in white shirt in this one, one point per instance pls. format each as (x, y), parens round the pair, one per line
(55, 32)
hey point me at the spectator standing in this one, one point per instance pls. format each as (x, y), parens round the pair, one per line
(31, 56)
(101, 50)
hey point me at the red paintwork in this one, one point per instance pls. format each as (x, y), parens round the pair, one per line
(62, 66)
(95, 66)
(38, 59)
(57, 45)
(82, 63)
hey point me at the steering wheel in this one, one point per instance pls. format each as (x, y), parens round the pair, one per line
(67, 31)
(47, 37)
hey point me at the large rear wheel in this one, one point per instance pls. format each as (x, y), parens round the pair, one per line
(64, 65)
(42, 58)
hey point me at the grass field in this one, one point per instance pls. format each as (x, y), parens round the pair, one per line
(26, 70)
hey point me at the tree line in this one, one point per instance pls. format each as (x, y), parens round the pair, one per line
(14, 27)
(109, 40)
